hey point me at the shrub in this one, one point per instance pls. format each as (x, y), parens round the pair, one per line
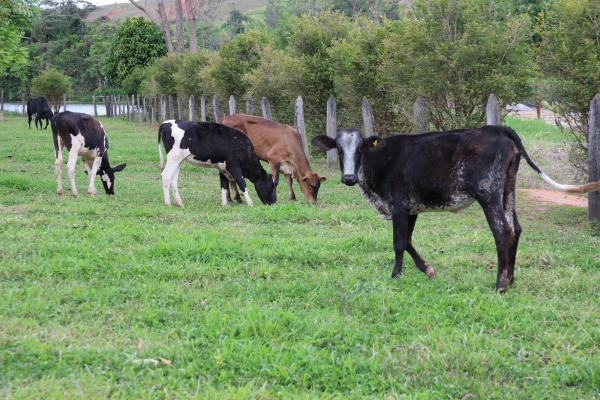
(52, 85)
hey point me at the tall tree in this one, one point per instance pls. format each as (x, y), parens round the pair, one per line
(191, 17)
(179, 26)
(15, 16)
(163, 24)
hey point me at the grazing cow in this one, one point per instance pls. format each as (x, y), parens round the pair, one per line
(212, 145)
(39, 107)
(404, 175)
(83, 136)
(281, 146)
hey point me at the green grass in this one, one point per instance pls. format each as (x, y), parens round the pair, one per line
(288, 301)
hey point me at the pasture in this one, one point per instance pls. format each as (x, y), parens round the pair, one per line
(125, 297)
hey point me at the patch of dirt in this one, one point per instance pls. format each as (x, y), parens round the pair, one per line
(553, 197)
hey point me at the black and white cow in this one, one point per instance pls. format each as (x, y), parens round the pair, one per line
(39, 107)
(83, 136)
(404, 175)
(212, 145)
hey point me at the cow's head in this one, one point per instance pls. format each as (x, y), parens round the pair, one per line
(107, 174)
(264, 188)
(47, 113)
(350, 145)
(310, 184)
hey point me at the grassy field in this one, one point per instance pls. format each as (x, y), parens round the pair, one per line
(125, 297)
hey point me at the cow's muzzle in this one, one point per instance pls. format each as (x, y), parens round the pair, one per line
(349, 179)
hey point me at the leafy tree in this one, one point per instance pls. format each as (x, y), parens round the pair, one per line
(15, 17)
(52, 85)
(236, 20)
(237, 57)
(569, 56)
(455, 55)
(132, 83)
(137, 43)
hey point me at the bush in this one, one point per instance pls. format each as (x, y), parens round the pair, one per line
(569, 55)
(52, 85)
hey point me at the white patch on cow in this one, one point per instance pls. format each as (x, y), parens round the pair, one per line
(286, 168)
(223, 197)
(247, 197)
(106, 179)
(350, 142)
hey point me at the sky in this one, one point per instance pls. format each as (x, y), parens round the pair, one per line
(105, 2)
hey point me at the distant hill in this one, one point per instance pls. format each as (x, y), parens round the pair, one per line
(123, 10)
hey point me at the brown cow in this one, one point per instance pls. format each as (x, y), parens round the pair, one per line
(281, 146)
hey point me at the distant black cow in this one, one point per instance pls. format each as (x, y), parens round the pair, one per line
(39, 107)
(83, 136)
(212, 145)
(405, 175)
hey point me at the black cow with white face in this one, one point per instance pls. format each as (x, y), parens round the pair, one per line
(212, 145)
(83, 136)
(39, 107)
(404, 175)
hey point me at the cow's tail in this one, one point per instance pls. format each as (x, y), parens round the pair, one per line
(162, 160)
(574, 189)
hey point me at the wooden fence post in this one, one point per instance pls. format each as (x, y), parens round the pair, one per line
(138, 109)
(594, 160)
(95, 109)
(249, 106)
(65, 102)
(202, 109)
(266, 108)
(114, 106)
(163, 109)
(492, 111)
(151, 107)
(332, 156)
(132, 108)
(368, 120)
(2, 107)
(421, 115)
(192, 113)
(144, 113)
(232, 108)
(129, 110)
(171, 109)
(107, 104)
(216, 108)
(299, 112)
(179, 107)
(23, 113)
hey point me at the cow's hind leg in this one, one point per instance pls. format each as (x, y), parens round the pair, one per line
(29, 117)
(236, 173)
(71, 167)
(510, 214)
(225, 196)
(236, 193)
(504, 235)
(171, 169)
(421, 264)
(58, 165)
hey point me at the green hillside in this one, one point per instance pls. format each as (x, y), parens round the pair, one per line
(123, 10)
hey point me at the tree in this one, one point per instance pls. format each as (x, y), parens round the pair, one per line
(569, 56)
(205, 8)
(455, 55)
(179, 26)
(15, 17)
(163, 24)
(53, 86)
(236, 20)
(137, 43)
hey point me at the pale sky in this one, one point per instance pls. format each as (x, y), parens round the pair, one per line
(105, 2)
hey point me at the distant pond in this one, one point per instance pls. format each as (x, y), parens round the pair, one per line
(77, 107)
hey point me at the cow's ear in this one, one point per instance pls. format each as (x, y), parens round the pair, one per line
(323, 142)
(374, 142)
(119, 168)
(322, 178)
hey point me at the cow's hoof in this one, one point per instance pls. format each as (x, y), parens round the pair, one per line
(179, 204)
(502, 290)
(59, 192)
(430, 271)
(75, 194)
(92, 192)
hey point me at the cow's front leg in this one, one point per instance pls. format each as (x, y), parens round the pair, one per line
(289, 181)
(92, 173)
(400, 226)
(71, 167)
(236, 193)
(419, 262)
(236, 173)
(175, 188)
(502, 235)
(47, 122)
